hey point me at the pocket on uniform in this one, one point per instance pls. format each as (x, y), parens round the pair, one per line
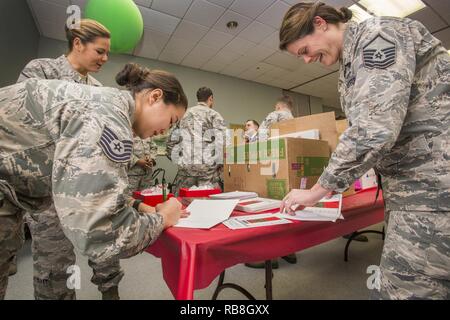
(438, 252)
(408, 237)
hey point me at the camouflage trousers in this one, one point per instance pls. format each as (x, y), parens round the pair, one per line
(11, 240)
(53, 254)
(415, 263)
(184, 181)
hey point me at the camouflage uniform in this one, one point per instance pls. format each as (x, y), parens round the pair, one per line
(395, 90)
(141, 178)
(192, 144)
(273, 117)
(70, 144)
(52, 251)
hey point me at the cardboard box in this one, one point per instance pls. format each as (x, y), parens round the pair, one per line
(341, 126)
(324, 122)
(272, 168)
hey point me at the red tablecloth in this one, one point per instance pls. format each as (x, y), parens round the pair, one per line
(193, 258)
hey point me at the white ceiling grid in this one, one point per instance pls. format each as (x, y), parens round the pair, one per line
(193, 33)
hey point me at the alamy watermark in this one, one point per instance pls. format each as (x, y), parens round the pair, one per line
(210, 147)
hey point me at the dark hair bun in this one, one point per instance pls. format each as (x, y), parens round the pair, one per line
(346, 14)
(130, 76)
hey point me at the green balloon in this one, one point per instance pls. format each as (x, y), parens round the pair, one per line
(122, 18)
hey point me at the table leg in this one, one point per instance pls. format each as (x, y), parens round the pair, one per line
(355, 234)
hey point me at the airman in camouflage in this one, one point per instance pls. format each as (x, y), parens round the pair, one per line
(70, 144)
(196, 145)
(52, 251)
(282, 112)
(142, 162)
(394, 84)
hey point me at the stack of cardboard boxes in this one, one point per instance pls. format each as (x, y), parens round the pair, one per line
(271, 168)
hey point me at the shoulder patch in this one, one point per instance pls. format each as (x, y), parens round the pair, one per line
(115, 149)
(379, 53)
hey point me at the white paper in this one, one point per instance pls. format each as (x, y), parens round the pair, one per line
(205, 214)
(258, 204)
(313, 214)
(234, 195)
(255, 220)
(317, 213)
(307, 134)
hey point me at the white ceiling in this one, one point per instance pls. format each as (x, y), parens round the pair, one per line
(193, 33)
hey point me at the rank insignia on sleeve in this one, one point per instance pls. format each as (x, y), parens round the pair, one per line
(380, 53)
(115, 149)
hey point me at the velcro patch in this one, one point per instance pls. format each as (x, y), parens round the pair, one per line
(115, 149)
(380, 53)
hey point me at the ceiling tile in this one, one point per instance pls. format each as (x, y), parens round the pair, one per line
(256, 32)
(429, 19)
(143, 3)
(444, 36)
(80, 3)
(175, 50)
(190, 31)
(226, 56)
(52, 30)
(202, 52)
(223, 3)
(272, 41)
(232, 70)
(273, 15)
(337, 3)
(216, 39)
(259, 52)
(239, 45)
(250, 8)
(283, 60)
(63, 3)
(158, 21)
(50, 12)
(311, 69)
(442, 7)
(296, 77)
(213, 66)
(204, 13)
(175, 8)
(152, 44)
(221, 24)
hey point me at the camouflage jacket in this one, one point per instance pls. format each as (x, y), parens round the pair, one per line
(141, 148)
(274, 117)
(196, 143)
(73, 143)
(395, 90)
(58, 68)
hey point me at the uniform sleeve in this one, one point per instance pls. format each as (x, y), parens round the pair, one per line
(33, 69)
(377, 108)
(173, 139)
(89, 191)
(219, 126)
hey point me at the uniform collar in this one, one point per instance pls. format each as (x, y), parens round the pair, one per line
(131, 104)
(349, 36)
(70, 72)
(203, 104)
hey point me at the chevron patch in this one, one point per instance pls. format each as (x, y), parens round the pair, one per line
(115, 149)
(380, 53)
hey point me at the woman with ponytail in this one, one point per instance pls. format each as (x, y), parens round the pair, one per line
(394, 86)
(68, 145)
